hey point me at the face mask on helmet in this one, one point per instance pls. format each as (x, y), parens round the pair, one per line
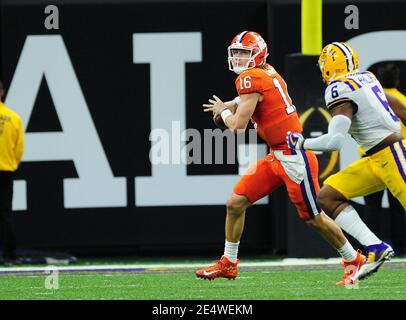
(241, 59)
(247, 50)
(320, 66)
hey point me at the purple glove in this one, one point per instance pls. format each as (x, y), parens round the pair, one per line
(295, 140)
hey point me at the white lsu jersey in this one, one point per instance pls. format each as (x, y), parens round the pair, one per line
(373, 119)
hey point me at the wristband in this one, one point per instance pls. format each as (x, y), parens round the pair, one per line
(237, 100)
(225, 114)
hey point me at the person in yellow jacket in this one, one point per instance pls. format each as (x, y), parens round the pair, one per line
(388, 75)
(11, 152)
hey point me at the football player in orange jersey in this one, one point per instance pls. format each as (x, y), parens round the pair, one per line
(264, 99)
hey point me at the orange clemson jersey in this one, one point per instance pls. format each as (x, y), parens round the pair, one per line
(275, 115)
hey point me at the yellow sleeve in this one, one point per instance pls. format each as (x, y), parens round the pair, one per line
(19, 148)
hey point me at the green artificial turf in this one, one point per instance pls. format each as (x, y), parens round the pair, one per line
(388, 283)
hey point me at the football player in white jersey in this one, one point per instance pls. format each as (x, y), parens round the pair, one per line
(359, 106)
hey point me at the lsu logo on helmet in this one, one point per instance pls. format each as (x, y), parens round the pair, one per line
(337, 59)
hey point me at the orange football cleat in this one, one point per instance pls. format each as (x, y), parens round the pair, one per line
(351, 269)
(223, 268)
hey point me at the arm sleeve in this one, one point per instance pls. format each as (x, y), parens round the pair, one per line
(334, 138)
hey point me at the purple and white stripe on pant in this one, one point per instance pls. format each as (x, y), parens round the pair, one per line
(308, 190)
(399, 153)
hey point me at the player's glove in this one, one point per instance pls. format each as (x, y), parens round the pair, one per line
(295, 140)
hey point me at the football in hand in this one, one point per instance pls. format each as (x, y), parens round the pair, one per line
(218, 121)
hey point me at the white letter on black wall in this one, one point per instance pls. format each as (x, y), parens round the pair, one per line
(96, 186)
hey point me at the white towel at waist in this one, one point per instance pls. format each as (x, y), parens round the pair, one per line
(294, 165)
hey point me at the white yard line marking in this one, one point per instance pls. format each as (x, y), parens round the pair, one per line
(174, 266)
